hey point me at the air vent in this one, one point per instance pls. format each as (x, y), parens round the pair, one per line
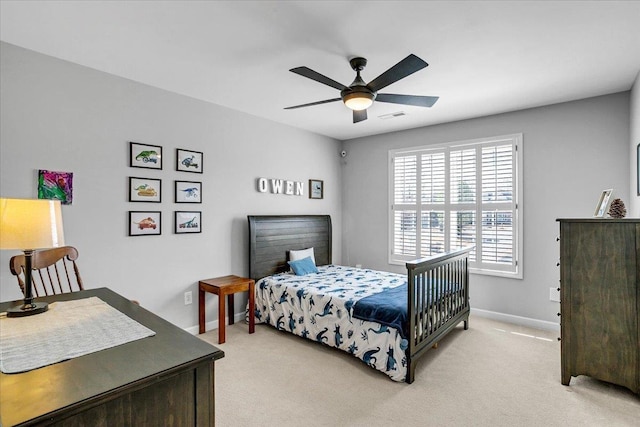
(392, 115)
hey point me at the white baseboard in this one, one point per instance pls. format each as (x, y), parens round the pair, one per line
(194, 330)
(502, 317)
(517, 320)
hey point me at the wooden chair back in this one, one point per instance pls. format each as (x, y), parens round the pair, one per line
(54, 271)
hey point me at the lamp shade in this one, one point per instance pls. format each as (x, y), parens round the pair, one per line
(30, 224)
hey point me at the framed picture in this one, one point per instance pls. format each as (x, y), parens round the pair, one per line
(188, 161)
(601, 208)
(145, 223)
(188, 222)
(316, 189)
(145, 156)
(188, 192)
(55, 186)
(144, 189)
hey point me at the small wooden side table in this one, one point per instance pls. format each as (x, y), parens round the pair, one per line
(221, 286)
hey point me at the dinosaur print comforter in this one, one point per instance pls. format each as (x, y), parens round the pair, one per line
(319, 307)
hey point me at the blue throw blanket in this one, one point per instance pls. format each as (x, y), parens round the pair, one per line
(388, 308)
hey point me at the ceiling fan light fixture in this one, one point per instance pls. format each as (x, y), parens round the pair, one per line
(358, 100)
(360, 95)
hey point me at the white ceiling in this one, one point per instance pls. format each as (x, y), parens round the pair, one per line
(485, 57)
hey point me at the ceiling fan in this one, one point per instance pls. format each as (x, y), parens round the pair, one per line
(360, 95)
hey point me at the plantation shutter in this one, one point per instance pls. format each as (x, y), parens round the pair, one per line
(454, 196)
(405, 207)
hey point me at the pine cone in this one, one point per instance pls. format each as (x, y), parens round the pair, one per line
(617, 209)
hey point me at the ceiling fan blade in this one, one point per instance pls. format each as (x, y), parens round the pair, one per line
(402, 69)
(359, 115)
(419, 101)
(314, 75)
(314, 103)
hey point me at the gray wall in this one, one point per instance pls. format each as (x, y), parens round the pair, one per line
(572, 151)
(60, 116)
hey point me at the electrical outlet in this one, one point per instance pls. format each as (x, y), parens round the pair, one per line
(554, 294)
(188, 298)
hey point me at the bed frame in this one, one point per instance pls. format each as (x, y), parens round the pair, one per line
(438, 291)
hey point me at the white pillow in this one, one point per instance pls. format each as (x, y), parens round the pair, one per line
(301, 254)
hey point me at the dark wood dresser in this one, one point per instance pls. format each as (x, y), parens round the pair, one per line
(600, 300)
(163, 380)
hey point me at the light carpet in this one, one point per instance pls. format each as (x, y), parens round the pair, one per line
(494, 374)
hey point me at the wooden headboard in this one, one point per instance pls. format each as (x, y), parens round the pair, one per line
(272, 237)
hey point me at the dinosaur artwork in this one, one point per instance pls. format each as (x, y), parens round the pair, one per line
(146, 223)
(280, 323)
(381, 330)
(188, 162)
(326, 310)
(292, 323)
(391, 361)
(190, 193)
(320, 336)
(338, 336)
(368, 357)
(348, 305)
(300, 294)
(189, 224)
(146, 190)
(283, 297)
(148, 156)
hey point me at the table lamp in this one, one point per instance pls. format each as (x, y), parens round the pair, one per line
(28, 225)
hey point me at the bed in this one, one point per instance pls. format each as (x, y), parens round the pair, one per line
(385, 319)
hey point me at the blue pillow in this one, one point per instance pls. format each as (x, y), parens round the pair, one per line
(303, 266)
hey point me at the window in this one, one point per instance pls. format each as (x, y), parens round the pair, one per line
(459, 194)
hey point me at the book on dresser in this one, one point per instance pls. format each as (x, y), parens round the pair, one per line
(600, 300)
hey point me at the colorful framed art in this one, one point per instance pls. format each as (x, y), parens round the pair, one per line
(145, 223)
(145, 190)
(55, 186)
(145, 156)
(188, 222)
(188, 192)
(189, 161)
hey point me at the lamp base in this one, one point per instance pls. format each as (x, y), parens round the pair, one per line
(27, 309)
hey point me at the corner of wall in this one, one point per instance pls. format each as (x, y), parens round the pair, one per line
(634, 132)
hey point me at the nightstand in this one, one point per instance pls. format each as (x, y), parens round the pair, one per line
(221, 286)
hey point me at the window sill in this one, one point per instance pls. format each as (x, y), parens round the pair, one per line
(506, 274)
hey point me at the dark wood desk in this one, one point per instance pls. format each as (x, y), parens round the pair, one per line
(167, 379)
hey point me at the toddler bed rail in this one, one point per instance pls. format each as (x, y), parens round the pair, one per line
(438, 295)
